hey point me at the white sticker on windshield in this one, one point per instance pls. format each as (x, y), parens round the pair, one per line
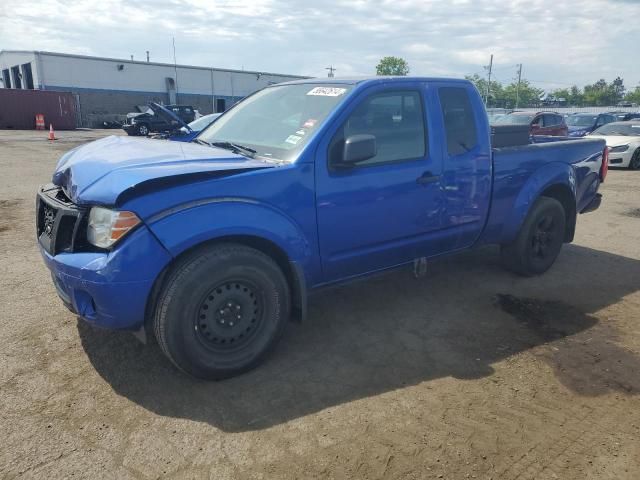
(293, 139)
(327, 91)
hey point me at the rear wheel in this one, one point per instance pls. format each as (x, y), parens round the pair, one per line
(634, 164)
(539, 241)
(221, 311)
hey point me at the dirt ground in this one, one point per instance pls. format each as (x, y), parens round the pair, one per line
(470, 372)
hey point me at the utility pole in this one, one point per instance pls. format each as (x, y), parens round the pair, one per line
(147, 56)
(331, 70)
(175, 65)
(518, 87)
(486, 99)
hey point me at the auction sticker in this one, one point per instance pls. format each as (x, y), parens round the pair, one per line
(293, 139)
(309, 123)
(327, 91)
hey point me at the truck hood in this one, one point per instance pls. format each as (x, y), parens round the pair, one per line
(101, 171)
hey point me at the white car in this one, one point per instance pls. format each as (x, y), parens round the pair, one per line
(623, 141)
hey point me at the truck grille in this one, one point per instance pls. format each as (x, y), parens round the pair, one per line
(60, 225)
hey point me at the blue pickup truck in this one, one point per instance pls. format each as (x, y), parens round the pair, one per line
(215, 244)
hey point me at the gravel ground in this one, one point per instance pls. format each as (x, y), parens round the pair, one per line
(470, 372)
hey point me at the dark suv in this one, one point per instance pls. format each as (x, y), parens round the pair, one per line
(540, 123)
(581, 124)
(155, 119)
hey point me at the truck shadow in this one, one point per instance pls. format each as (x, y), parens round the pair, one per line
(392, 331)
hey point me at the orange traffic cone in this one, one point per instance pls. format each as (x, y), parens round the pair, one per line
(52, 135)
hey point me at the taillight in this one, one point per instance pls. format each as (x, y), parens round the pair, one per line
(604, 168)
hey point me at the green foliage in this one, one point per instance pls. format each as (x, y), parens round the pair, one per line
(505, 96)
(392, 66)
(633, 97)
(599, 93)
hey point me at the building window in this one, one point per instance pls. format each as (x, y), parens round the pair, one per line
(6, 78)
(27, 75)
(221, 105)
(15, 73)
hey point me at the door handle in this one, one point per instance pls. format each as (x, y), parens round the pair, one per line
(426, 178)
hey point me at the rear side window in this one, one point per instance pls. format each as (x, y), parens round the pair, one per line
(459, 121)
(395, 118)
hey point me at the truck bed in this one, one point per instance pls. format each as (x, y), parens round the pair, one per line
(518, 172)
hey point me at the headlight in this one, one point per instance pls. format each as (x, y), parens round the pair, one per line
(106, 226)
(619, 148)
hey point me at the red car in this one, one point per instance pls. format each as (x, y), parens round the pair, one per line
(540, 123)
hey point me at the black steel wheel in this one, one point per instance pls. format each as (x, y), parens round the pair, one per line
(229, 315)
(539, 241)
(221, 310)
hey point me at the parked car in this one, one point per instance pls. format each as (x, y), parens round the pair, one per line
(214, 245)
(623, 142)
(540, 123)
(188, 132)
(624, 116)
(580, 124)
(156, 119)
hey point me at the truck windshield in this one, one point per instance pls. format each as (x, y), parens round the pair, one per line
(581, 120)
(278, 121)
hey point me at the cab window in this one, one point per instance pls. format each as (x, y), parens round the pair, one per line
(395, 119)
(459, 121)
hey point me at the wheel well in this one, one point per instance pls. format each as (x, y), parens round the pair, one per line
(295, 279)
(564, 195)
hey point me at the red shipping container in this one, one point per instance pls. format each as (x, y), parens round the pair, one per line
(18, 108)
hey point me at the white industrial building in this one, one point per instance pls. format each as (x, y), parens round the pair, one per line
(108, 87)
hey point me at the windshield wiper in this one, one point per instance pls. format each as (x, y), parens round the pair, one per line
(200, 142)
(234, 147)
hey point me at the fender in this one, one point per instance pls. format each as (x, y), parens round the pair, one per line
(213, 218)
(551, 174)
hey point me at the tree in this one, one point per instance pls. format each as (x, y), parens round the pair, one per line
(617, 86)
(633, 97)
(576, 98)
(392, 66)
(505, 97)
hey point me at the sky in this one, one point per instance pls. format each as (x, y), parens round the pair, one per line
(559, 42)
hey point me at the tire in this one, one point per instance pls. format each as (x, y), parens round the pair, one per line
(221, 310)
(539, 240)
(634, 164)
(142, 129)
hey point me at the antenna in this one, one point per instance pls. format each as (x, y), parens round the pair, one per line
(331, 70)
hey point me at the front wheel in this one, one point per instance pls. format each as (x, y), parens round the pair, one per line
(634, 164)
(539, 241)
(142, 129)
(221, 311)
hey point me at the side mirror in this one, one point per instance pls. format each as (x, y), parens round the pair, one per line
(358, 148)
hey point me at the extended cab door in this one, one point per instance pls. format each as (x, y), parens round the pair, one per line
(467, 168)
(385, 210)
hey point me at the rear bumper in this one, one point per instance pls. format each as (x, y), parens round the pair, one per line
(109, 289)
(593, 204)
